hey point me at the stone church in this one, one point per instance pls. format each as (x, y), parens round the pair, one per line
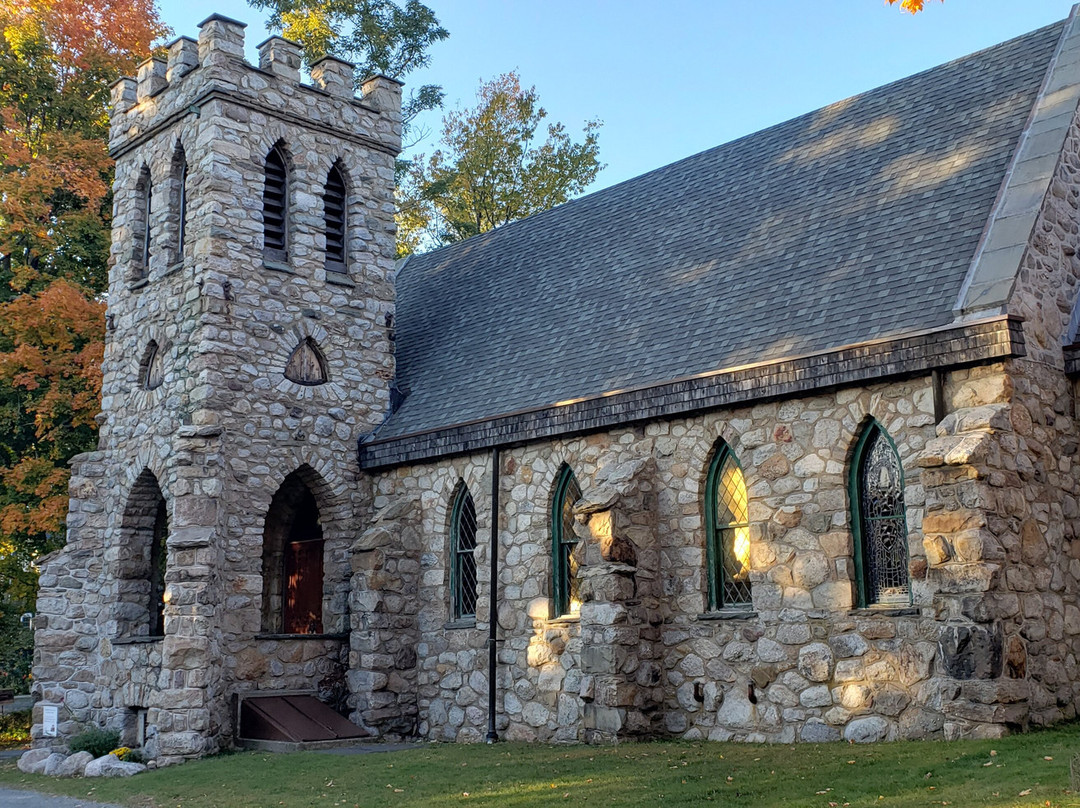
(775, 443)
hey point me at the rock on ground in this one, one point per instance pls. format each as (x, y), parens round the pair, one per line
(33, 761)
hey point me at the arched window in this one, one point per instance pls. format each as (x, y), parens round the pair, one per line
(177, 213)
(158, 556)
(276, 207)
(876, 489)
(335, 217)
(463, 556)
(140, 242)
(564, 564)
(144, 533)
(182, 208)
(293, 561)
(727, 529)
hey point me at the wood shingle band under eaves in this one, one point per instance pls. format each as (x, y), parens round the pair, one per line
(973, 343)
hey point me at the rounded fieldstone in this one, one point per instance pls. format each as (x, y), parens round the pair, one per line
(33, 761)
(849, 645)
(870, 729)
(817, 731)
(815, 662)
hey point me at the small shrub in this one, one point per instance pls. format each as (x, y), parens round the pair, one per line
(98, 742)
(135, 756)
(14, 729)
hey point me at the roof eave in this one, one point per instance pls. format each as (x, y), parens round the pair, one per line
(912, 354)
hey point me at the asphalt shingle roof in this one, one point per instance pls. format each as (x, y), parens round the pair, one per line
(851, 223)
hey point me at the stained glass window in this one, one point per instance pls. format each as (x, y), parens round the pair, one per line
(463, 556)
(881, 555)
(728, 532)
(563, 543)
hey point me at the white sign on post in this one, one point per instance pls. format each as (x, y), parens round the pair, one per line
(48, 721)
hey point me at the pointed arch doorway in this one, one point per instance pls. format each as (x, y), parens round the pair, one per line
(293, 561)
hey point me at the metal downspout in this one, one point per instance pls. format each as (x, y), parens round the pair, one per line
(493, 608)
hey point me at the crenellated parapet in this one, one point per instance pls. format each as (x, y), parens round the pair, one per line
(214, 66)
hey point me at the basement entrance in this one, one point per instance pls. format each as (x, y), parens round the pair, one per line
(294, 719)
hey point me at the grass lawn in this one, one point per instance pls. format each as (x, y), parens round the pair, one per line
(1025, 770)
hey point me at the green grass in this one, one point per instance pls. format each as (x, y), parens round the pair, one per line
(669, 773)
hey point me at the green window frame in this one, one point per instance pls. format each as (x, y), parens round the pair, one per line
(564, 583)
(878, 520)
(463, 556)
(727, 531)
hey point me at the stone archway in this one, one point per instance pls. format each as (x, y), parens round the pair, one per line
(293, 547)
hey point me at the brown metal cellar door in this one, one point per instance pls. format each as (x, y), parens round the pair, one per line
(293, 718)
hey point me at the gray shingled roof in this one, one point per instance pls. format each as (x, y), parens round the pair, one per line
(854, 222)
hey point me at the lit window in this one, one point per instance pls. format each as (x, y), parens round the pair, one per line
(564, 542)
(728, 532)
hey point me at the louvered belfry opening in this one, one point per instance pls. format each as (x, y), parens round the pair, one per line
(334, 204)
(276, 207)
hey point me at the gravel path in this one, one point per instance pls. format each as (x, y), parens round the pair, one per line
(16, 798)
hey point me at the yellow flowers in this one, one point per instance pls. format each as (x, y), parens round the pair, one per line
(121, 752)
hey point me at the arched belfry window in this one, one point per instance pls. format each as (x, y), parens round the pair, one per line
(141, 249)
(276, 206)
(293, 561)
(306, 365)
(564, 563)
(876, 489)
(334, 201)
(463, 556)
(144, 533)
(178, 203)
(727, 529)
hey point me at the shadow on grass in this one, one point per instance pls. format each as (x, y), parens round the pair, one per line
(1026, 770)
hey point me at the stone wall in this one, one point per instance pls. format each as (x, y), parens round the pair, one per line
(643, 658)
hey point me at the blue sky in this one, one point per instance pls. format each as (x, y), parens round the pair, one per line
(672, 78)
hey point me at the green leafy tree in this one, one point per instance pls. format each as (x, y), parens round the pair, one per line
(494, 168)
(380, 36)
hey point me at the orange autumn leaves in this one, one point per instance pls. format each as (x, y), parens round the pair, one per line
(58, 59)
(54, 342)
(910, 6)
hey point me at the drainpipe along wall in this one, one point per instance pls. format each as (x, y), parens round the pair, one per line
(493, 609)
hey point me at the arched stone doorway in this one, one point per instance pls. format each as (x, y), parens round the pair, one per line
(293, 561)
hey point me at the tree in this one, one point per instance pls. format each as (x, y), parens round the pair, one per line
(57, 61)
(380, 36)
(494, 169)
(910, 6)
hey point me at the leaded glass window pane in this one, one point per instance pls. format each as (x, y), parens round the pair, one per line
(882, 521)
(565, 566)
(463, 570)
(729, 537)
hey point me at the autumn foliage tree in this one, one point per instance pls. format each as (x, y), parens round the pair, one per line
(57, 61)
(495, 167)
(910, 6)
